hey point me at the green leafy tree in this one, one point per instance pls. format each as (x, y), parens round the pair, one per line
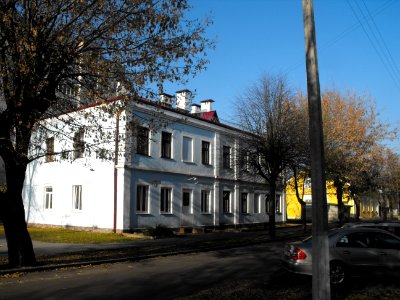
(56, 55)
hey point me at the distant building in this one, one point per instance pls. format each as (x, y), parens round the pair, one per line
(175, 167)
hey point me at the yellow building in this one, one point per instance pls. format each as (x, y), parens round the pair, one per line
(293, 207)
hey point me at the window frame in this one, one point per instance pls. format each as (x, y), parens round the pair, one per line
(166, 144)
(244, 203)
(79, 143)
(256, 203)
(226, 157)
(142, 199)
(189, 156)
(226, 203)
(50, 157)
(48, 200)
(77, 197)
(166, 203)
(143, 140)
(205, 202)
(205, 153)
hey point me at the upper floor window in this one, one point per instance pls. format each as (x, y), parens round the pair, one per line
(166, 144)
(142, 140)
(226, 157)
(79, 143)
(205, 152)
(50, 149)
(187, 149)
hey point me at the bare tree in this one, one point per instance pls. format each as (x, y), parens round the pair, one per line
(267, 113)
(57, 55)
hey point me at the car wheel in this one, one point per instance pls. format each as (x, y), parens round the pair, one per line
(338, 273)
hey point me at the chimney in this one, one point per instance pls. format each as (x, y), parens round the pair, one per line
(183, 99)
(165, 99)
(195, 109)
(206, 105)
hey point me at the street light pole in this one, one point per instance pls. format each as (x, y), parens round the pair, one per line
(320, 248)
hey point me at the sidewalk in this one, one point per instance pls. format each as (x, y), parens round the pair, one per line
(61, 255)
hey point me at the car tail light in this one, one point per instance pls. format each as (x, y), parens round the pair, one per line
(297, 254)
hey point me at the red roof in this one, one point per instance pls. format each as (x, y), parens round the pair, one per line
(209, 116)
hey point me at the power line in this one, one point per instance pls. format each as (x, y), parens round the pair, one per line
(375, 43)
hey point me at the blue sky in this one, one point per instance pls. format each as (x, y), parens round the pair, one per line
(266, 36)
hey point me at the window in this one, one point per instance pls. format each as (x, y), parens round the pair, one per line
(243, 203)
(187, 152)
(165, 200)
(244, 162)
(77, 196)
(226, 197)
(226, 157)
(142, 140)
(79, 143)
(48, 197)
(267, 203)
(142, 192)
(186, 198)
(205, 152)
(166, 144)
(205, 201)
(50, 149)
(256, 204)
(278, 209)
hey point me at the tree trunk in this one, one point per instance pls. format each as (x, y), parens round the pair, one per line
(19, 243)
(339, 194)
(358, 208)
(304, 216)
(272, 209)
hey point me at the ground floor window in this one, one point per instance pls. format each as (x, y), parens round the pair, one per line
(165, 200)
(48, 197)
(226, 199)
(256, 204)
(205, 201)
(186, 201)
(77, 196)
(142, 196)
(278, 208)
(243, 203)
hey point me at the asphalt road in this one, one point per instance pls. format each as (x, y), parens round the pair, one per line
(158, 278)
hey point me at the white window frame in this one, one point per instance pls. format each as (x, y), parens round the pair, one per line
(190, 192)
(229, 210)
(256, 204)
(142, 202)
(77, 197)
(48, 198)
(207, 193)
(189, 156)
(168, 203)
(210, 145)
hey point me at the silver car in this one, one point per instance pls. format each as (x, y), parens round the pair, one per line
(351, 250)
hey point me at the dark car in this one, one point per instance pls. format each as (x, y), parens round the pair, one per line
(352, 250)
(393, 227)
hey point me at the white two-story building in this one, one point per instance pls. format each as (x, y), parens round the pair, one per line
(175, 166)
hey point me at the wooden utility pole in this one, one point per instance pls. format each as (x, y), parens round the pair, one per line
(320, 248)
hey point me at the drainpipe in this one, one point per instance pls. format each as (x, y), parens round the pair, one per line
(116, 172)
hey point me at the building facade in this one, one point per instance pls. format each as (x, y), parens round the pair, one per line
(166, 165)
